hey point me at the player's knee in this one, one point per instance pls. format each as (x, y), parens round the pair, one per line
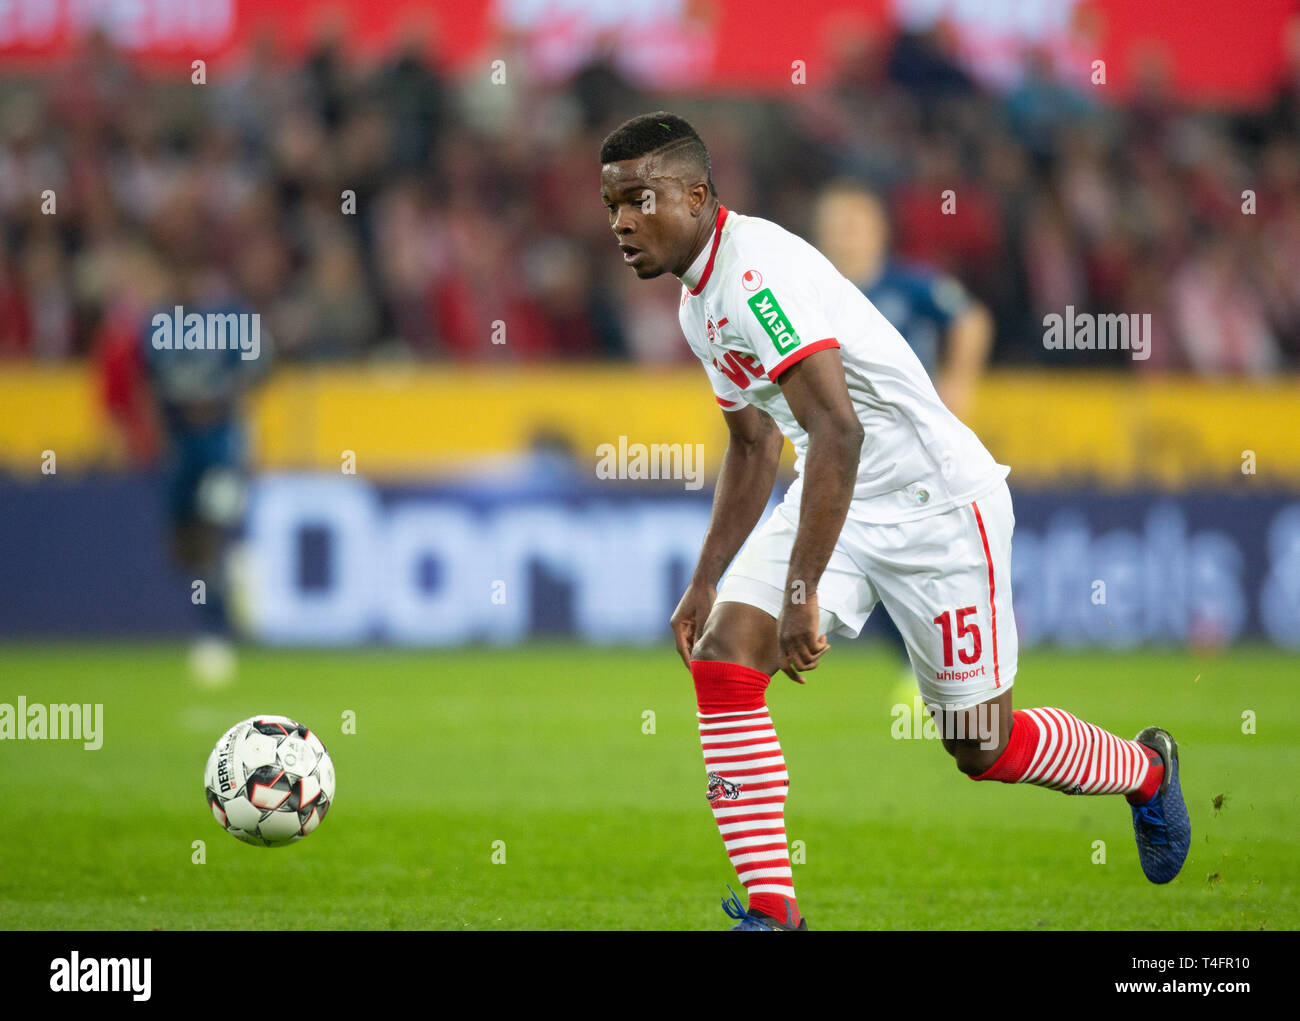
(976, 737)
(739, 633)
(720, 645)
(972, 757)
(712, 646)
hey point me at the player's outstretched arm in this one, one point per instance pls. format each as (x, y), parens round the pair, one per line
(968, 343)
(745, 482)
(816, 391)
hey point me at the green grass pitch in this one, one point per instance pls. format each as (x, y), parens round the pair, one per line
(605, 826)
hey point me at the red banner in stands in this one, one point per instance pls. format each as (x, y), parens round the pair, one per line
(1208, 50)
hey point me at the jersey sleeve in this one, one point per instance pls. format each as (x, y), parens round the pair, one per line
(780, 318)
(727, 394)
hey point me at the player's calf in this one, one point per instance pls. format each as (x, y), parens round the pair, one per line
(745, 768)
(1053, 748)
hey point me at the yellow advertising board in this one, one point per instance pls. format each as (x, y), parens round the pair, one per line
(415, 421)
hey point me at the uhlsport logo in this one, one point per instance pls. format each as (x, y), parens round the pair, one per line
(73, 974)
(721, 787)
(958, 675)
(179, 330)
(1084, 331)
(768, 312)
(752, 280)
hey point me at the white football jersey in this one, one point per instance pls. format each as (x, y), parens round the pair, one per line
(758, 299)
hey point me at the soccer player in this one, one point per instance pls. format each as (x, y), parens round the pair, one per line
(896, 502)
(949, 331)
(199, 395)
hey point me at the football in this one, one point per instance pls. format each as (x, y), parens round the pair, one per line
(269, 781)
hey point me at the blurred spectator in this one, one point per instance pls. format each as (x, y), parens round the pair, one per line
(415, 102)
(924, 63)
(1221, 319)
(1284, 116)
(1040, 104)
(950, 333)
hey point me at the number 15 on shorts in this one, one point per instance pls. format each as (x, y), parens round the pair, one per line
(968, 653)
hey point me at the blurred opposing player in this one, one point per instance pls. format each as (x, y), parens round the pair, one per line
(199, 394)
(949, 331)
(896, 502)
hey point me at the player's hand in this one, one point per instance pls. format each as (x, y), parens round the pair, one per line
(688, 619)
(800, 644)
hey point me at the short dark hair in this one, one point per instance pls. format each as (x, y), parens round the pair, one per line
(652, 132)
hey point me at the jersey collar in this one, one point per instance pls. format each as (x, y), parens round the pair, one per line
(713, 254)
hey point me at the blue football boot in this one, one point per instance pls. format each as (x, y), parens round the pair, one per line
(1161, 826)
(756, 921)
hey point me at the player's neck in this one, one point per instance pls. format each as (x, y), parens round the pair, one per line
(689, 272)
(866, 272)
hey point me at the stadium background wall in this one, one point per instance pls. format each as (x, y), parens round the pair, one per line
(470, 478)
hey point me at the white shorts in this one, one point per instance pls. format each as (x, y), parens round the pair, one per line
(945, 580)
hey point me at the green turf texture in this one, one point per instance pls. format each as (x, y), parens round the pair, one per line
(605, 826)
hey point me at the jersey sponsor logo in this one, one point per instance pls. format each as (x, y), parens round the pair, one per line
(769, 313)
(752, 280)
(738, 368)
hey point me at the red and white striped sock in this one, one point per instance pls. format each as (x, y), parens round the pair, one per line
(1053, 748)
(747, 782)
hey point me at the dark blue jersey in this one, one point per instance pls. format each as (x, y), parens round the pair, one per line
(207, 377)
(920, 304)
(200, 362)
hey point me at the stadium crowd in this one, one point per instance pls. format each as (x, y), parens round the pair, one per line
(476, 203)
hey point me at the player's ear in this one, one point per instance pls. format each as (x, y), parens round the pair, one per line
(698, 198)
